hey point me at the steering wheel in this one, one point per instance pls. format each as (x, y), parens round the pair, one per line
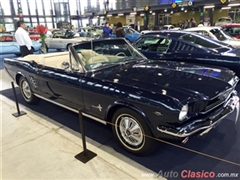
(121, 53)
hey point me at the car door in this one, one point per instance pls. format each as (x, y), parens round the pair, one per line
(154, 47)
(62, 85)
(56, 41)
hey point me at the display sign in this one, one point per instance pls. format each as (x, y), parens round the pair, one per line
(182, 4)
(145, 8)
(185, 3)
(174, 5)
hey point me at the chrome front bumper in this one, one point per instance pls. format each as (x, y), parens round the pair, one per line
(204, 124)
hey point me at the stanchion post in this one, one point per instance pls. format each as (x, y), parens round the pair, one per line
(18, 113)
(86, 155)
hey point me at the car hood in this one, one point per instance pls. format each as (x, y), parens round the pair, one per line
(178, 80)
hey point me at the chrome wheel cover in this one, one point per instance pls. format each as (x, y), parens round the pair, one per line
(26, 90)
(130, 131)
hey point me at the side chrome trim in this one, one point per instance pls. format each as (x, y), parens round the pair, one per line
(71, 109)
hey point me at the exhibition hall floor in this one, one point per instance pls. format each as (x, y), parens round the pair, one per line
(42, 145)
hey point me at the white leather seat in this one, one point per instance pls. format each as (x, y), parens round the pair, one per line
(91, 57)
(98, 58)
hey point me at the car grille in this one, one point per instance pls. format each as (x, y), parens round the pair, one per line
(218, 101)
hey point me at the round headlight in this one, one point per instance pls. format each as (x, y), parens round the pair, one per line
(183, 113)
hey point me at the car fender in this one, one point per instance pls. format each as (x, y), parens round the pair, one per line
(110, 110)
(18, 75)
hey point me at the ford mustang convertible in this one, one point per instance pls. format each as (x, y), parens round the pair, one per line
(142, 99)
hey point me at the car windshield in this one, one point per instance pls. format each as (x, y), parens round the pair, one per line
(221, 35)
(228, 20)
(165, 27)
(96, 54)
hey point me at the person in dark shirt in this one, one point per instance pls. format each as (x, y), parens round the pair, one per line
(106, 30)
(119, 30)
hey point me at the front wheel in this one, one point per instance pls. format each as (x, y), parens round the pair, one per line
(132, 132)
(27, 92)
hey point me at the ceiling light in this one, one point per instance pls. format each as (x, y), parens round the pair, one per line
(182, 9)
(142, 14)
(171, 12)
(226, 8)
(185, 11)
(120, 14)
(153, 14)
(109, 15)
(234, 4)
(211, 6)
(150, 11)
(165, 10)
(133, 13)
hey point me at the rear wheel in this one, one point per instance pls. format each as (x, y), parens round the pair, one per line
(132, 132)
(26, 91)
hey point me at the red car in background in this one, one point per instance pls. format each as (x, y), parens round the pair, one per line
(33, 34)
(232, 29)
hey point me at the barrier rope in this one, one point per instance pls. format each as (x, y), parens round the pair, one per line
(187, 149)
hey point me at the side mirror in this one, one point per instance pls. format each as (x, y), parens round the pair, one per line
(65, 65)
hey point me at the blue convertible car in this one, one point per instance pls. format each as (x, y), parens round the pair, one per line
(131, 34)
(8, 45)
(188, 47)
(113, 83)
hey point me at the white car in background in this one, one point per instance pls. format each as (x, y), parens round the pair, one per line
(145, 31)
(223, 20)
(216, 33)
(170, 27)
(61, 40)
(165, 27)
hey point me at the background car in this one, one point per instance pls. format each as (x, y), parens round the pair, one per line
(183, 46)
(8, 45)
(34, 36)
(216, 33)
(223, 20)
(170, 27)
(138, 97)
(130, 34)
(232, 29)
(93, 32)
(63, 39)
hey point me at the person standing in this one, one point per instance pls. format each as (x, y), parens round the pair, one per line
(119, 30)
(106, 30)
(23, 39)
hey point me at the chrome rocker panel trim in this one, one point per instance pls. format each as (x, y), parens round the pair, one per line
(71, 109)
